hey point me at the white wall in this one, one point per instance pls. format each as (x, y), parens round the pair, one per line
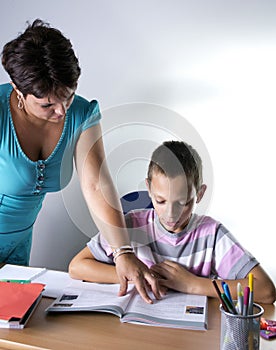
(207, 67)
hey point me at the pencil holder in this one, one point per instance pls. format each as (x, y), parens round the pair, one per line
(240, 332)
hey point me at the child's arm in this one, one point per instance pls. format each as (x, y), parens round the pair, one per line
(176, 277)
(85, 267)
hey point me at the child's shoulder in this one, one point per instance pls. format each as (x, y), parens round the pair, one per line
(203, 221)
(139, 217)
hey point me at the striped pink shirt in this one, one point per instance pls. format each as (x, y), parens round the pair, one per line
(205, 247)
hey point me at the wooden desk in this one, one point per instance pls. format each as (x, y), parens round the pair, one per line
(97, 331)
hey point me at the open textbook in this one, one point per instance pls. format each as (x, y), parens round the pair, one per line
(175, 310)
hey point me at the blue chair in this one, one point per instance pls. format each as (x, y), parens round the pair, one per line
(136, 200)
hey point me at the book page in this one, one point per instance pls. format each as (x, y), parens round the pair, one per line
(16, 272)
(92, 297)
(177, 310)
(55, 282)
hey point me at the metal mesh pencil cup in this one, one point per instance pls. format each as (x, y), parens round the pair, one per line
(240, 332)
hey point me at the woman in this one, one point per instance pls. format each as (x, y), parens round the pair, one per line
(44, 125)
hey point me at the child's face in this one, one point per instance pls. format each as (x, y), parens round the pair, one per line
(173, 200)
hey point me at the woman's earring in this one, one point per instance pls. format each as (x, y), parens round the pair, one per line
(20, 104)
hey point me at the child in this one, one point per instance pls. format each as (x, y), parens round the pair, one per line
(183, 250)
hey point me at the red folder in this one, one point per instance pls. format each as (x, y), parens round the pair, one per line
(17, 298)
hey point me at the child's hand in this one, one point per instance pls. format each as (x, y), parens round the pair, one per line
(174, 276)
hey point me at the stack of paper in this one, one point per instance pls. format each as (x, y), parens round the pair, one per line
(17, 272)
(55, 281)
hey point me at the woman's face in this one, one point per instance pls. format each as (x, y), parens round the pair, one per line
(51, 109)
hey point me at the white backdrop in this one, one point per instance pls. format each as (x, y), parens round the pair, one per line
(209, 62)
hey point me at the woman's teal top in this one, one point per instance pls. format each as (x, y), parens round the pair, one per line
(24, 183)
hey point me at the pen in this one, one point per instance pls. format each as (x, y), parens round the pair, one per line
(219, 295)
(227, 292)
(240, 299)
(250, 307)
(230, 306)
(245, 301)
(251, 294)
(15, 281)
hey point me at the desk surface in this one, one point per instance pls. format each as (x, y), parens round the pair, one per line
(98, 331)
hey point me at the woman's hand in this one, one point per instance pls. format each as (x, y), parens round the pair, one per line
(130, 268)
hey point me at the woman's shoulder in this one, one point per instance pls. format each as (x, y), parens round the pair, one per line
(84, 113)
(81, 104)
(5, 90)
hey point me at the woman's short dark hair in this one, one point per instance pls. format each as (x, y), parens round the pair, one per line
(41, 61)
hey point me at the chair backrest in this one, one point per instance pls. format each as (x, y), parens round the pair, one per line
(136, 200)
